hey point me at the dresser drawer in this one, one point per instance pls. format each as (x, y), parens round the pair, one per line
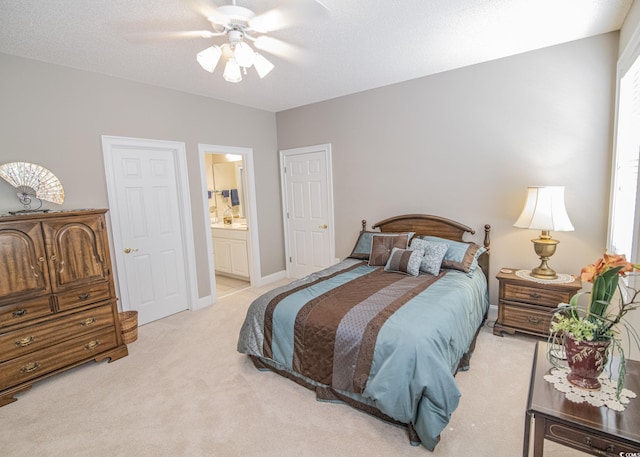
(589, 442)
(535, 295)
(83, 296)
(30, 339)
(23, 311)
(61, 355)
(525, 317)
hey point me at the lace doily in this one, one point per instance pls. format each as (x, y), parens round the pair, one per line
(561, 279)
(606, 396)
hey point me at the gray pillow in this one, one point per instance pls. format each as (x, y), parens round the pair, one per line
(460, 255)
(434, 253)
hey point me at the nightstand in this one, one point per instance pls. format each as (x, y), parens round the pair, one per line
(527, 306)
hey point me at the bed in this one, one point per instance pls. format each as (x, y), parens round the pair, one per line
(372, 333)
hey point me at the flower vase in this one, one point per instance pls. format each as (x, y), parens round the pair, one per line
(586, 360)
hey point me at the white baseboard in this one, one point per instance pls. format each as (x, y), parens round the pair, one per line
(263, 281)
(203, 302)
(207, 300)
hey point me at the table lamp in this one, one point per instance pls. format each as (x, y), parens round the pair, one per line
(544, 210)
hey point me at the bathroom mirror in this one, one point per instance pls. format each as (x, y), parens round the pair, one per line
(225, 184)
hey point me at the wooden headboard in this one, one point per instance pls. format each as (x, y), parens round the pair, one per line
(426, 224)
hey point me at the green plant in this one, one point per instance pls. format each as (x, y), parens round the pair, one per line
(600, 321)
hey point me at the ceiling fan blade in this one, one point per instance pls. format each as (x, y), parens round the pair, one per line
(142, 37)
(279, 48)
(293, 13)
(203, 7)
(210, 11)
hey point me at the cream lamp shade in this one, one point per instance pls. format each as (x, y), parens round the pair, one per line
(544, 210)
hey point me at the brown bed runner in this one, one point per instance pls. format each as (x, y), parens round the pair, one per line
(335, 333)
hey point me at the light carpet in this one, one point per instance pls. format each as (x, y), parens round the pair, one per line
(185, 391)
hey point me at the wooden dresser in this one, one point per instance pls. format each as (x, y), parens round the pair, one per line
(527, 306)
(58, 307)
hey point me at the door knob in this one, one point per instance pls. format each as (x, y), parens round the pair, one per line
(322, 226)
(128, 250)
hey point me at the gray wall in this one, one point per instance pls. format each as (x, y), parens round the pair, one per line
(54, 116)
(465, 144)
(462, 144)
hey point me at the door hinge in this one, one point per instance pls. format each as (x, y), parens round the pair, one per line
(290, 260)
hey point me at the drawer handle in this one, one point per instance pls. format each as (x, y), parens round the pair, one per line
(88, 321)
(29, 367)
(610, 449)
(533, 319)
(19, 312)
(26, 341)
(91, 345)
(535, 295)
(84, 296)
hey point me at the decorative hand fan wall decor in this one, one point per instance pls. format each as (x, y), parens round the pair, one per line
(33, 182)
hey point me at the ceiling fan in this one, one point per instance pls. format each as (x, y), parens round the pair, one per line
(241, 25)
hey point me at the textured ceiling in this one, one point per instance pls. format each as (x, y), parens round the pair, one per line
(351, 46)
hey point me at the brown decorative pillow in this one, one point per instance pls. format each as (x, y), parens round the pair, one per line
(362, 249)
(405, 261)
(382, 245)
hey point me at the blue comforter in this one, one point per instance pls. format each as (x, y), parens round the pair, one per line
(395, 347)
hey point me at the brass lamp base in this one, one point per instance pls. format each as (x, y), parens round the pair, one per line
(545, 247)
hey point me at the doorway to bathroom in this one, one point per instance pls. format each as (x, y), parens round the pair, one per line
(230, 218)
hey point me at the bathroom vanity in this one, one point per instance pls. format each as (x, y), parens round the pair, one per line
(230, 249)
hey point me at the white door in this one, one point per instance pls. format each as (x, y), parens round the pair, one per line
(147, 230)
(308, 206)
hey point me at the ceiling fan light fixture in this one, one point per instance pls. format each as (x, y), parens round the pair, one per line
(243, 54)
(262, 65)
(208, 59)
(235, 13)
(237, 24)
(232, 72)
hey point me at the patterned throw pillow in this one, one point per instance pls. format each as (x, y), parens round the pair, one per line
(460, 255)
(382, 245)
(405, 261)
(434, 253)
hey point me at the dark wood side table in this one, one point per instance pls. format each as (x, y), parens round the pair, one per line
(527, 306)
(596, 431)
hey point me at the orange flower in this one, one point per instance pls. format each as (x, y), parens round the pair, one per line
(608, 261)
(612, 261)
(589, 272)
